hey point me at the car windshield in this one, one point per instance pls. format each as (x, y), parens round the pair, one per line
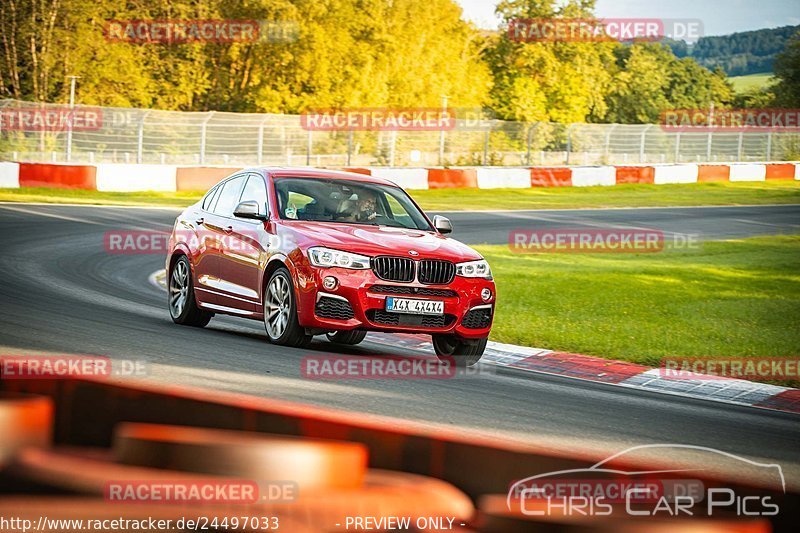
(351, 202)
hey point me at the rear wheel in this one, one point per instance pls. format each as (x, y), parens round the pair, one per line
(463, 352)
(280, 312)
(182, 304)
(347, 337)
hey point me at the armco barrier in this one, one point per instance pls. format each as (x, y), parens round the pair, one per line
(120, 177)
(707, 173)
(637, 174)
(495, 178)
(441, 178)
(200, 178)
(9, 175)
(129, 178)
(551, 177)
(748, 172)
(57, 176)
(593, 176)
(782, 171)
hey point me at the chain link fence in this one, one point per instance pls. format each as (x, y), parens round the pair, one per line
(57, 133)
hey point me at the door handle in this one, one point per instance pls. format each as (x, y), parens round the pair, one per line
(200, 221)
(229, 229)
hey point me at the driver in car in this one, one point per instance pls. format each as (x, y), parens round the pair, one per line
(365, 207)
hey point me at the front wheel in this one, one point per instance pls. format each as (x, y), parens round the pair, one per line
(182, 304)
(280, 312)
(463, 352)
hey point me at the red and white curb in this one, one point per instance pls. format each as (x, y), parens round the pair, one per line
(590, 368)
(619, 373)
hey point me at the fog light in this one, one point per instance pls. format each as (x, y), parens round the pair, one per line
(330, 283)
(486, 294)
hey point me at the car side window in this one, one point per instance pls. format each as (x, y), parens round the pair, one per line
(229, 197)
(255, 189)
(208, 201)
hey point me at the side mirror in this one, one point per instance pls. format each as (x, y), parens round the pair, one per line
(248, 209)
(442, 224)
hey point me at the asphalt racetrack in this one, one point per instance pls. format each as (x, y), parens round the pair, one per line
(62, 293)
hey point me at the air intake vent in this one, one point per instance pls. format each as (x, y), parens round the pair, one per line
(435, 272)
(393, 268)
(334, 308)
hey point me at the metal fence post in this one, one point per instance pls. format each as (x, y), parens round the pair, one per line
(739, 146)
(607, 148)
(708, 145)
(678, 147)
(769, 146)
(203, 138)
(309, 147)
(485, 147)
(569, 142)
(531, 129)
(392, 147)
(260, 152)
(349, 146)
(641, 143)
(140, 138)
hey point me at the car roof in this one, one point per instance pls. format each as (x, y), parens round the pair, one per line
(307, 172)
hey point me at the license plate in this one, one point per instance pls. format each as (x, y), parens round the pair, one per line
(414, 307)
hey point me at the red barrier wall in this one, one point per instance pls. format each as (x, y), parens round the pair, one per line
(359, 170)
(783, 171)
(442, 178)
(713, 173)
(57, 176)
(635, 175)
(201, 178)
(551, 177)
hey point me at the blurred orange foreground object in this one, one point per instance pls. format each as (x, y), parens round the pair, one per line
(25, 420)
(310, 463)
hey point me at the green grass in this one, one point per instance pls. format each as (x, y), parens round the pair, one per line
(79, 196)
(743, 84)
(630, 195)
(730, 298)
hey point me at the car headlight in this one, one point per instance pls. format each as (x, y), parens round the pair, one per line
(474, 269)
(325, 257)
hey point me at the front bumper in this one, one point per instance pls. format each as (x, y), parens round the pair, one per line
(366, 295)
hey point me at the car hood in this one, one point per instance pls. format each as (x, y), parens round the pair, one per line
(381, 240)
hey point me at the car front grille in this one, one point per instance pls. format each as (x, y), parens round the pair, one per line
(478, 318)
(393, 268)
(413, 291)
(384, 318)
(436, 272)
(334, 308)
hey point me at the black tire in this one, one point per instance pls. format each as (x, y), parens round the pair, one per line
(462, 352)
(280, 312)
(350, 338)
(180, 296)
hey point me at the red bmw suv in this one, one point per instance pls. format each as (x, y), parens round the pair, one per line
(314, 252)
